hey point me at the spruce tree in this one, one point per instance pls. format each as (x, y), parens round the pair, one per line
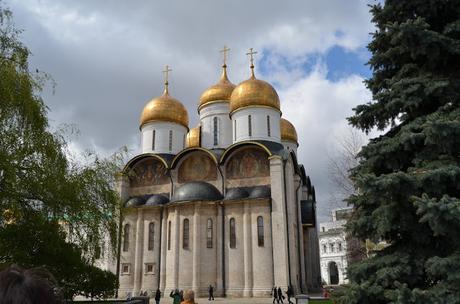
(408, 179)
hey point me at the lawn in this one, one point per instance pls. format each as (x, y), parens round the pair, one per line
(328, 301)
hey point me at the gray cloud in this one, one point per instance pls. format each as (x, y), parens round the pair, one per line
(107, 57)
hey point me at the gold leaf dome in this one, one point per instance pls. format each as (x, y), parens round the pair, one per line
(221, 91)
(254, 92)
(164, 108)
(193, 138)
(288, 131)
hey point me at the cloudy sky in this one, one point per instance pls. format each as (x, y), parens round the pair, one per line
(107, 56)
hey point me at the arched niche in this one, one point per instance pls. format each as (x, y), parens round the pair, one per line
(247, 162)
(196, 165)
(148, 171)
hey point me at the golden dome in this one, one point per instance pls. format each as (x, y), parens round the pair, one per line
(288, 131)
(165, 108)
(193, 138)
(218, 92)
(254, 92)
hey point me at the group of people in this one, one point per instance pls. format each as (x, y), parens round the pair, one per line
(279, 297)
(183, 297)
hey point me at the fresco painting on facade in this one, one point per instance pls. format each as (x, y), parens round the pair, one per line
(148, 172)
(247, 163)
(197, 167)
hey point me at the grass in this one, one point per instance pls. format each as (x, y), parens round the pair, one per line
(328, 301)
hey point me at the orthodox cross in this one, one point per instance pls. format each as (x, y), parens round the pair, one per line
(166, 73)
(251, 56)
(225, 51)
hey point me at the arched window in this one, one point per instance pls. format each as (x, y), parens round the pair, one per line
(260, 231)
(186, 235)
(153, 140)
(331, 247)
(250, 125)
(209, 234)
(170, 139)
(169, 235)
(151, 236)
(126, 237)
(268, 126)
(340, 247)
(232, 233)
(324, 248)
(215, 131)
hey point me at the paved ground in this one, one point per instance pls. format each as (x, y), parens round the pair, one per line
(231, 300)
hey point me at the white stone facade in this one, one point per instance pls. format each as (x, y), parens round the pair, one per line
(256, 123)
(163, 137)
(333, 250)
(216, 126)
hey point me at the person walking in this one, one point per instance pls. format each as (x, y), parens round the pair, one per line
(290, 293)
(275, 295)
(157, 296)
(175, 294)
(211, 292)
(280, 295)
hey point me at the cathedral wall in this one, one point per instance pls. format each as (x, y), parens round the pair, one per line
(224, 125)
(259, 126)
(186, 254)
(289, 145)
(150, 278)
(162, 130)
(262, 256)
(234, 266)
(172, 237)
(208, 256)
(127, 258)
(148, 176)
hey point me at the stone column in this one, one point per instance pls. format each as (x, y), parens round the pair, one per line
(219, 247)
(176, 236)
(164, 247)
(138, 252)
(196, 250)
(300, 234)
(279, 225)
(247, 235)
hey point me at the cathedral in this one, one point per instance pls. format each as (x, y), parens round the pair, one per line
(224, 204)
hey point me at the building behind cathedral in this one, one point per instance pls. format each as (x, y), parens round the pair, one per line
(225, 203)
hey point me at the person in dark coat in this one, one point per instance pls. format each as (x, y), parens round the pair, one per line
(175, 294)
(157, 296)
(275, 295)
(280, 295)
(211, 293)
(290, 293)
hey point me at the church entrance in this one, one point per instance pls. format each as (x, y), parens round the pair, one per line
(333, 273)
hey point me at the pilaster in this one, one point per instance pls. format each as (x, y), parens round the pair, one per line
(196, 250)
(138, 252)
(247, 235)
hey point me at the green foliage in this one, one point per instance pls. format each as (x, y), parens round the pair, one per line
(32, 240)
(42, 187)
(409, 178)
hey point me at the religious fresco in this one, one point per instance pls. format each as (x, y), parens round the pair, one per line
(248, 163)
(148, 172)
(197, 167)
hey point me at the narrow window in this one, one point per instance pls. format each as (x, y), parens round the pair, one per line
(234, 133)
(323, 229)
(209, 234)
(170, 140)
(169, 235)
(250, 125)
(126, 237)
(331, 247)
(260, 231)
(324, 248)
(340, 247)
(215, 130)
(153, 140)
(186, 234)
(151, 236)
(268, 126)
(232, 233)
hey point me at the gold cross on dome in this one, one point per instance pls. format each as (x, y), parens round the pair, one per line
(225, 51)
(166, 73)
(251, 54)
